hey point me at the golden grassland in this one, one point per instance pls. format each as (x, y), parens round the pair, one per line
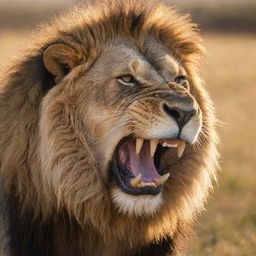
(228, 227)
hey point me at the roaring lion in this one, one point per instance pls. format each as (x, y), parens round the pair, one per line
(107, 134)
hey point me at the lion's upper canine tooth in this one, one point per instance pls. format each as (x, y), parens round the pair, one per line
(139, 144)
(181, 148)
(153, 146)
(162, 179)
(136, 181)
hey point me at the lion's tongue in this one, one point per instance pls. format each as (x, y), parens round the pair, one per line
(139, 164)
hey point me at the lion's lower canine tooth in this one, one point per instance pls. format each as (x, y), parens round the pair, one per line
(139, 144)
(181, 148)
(153, 146)
(136, 181)
(162, 179)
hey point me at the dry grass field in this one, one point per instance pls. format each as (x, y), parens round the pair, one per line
(228, 227)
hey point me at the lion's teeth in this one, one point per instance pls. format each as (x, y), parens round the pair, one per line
(162, 179)
(139, 144)
(136, 181)
(153, 146)
(147, 184)
(181, 148)
(165, 144)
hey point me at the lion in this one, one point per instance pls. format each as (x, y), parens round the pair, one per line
(107, 134)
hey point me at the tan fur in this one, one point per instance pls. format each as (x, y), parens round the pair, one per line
(57, 144)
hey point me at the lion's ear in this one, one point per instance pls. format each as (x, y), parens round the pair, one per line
(59, 59)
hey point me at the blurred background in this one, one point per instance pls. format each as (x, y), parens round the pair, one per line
(228, 227)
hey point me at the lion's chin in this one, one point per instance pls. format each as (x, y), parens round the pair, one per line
(136, 205)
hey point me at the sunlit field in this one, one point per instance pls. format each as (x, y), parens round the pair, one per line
(228, 226)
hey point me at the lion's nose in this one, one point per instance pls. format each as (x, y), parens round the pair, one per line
(179, 115)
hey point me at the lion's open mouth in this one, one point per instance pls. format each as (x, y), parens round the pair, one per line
(137, 164)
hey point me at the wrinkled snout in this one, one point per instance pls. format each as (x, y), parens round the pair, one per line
(182, 108)
(172, 114)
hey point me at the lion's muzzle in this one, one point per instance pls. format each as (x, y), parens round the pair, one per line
(161, 121)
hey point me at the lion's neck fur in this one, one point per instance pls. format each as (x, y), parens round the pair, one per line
(62, 235)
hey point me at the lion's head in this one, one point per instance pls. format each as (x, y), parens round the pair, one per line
(125, 129)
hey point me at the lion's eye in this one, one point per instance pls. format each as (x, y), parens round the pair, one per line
(127, 79)
(180, 80)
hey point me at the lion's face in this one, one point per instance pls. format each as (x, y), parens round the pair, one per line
(134, 107)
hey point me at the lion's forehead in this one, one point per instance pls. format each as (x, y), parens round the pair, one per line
(155, 63)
